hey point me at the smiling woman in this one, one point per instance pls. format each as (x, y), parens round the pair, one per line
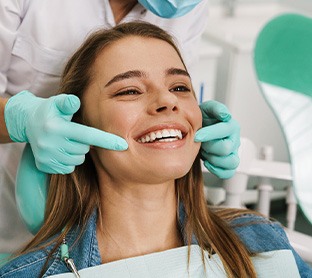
(146, 94)
(142, 212)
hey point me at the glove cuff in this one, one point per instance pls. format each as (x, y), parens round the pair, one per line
(15, 116)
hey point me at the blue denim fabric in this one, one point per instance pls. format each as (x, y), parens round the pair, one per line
(265, 235)
(260, 235)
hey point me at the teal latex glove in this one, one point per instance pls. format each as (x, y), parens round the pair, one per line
(31, 191)
(4, 258)
(57, 143)
(220, 137)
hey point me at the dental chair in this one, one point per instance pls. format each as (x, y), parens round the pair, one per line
(283, 64)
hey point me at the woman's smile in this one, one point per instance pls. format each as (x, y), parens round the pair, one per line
(163, 136)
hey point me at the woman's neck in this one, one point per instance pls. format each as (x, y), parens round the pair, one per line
(121, 8)
(137, 219)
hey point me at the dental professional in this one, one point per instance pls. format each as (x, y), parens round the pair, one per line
(36, 39)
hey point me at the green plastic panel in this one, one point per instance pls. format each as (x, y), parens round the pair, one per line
(283, 53)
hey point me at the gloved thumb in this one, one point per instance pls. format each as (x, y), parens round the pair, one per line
(67, 104)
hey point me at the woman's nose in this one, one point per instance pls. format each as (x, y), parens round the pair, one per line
(164, 101)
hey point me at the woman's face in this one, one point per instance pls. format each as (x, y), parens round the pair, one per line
(142, 92)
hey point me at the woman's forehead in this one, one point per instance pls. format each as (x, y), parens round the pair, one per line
(135, 49)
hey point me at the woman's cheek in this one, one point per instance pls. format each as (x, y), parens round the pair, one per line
(197, 118)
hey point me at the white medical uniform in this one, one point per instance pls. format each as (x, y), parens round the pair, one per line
(36, 39)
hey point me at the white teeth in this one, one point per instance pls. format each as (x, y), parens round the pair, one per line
(164, 135)
(168, 140)
(179, 134)
(158, 134)
(173, 132)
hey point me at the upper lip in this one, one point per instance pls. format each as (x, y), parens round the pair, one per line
(177, 126)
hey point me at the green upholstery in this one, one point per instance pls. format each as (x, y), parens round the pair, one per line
(283, 53)
(283, 63)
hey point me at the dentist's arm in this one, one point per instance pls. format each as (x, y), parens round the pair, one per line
(57, 143)
(220, 137)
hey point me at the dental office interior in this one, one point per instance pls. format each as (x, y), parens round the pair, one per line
(272, 177)
(275, 172)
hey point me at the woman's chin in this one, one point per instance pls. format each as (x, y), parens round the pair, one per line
(165, 173)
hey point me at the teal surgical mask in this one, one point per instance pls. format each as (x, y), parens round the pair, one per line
(169, 8)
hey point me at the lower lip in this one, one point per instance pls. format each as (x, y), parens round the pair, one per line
(165, 145)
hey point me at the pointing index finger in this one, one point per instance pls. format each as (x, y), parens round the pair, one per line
(95, 137)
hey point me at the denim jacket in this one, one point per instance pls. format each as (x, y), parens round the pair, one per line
(260, 235)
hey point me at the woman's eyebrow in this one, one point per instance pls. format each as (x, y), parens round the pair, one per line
(126, 75)
(138, 73)
(177, 71)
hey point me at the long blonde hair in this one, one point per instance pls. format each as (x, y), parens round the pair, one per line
(72, 198)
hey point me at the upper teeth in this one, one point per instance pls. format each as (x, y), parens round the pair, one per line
(169, 134)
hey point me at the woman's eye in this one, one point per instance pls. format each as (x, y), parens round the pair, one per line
(180, 89)
(128, 92)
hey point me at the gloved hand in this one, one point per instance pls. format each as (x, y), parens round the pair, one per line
(57, 143)
(220, 137)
